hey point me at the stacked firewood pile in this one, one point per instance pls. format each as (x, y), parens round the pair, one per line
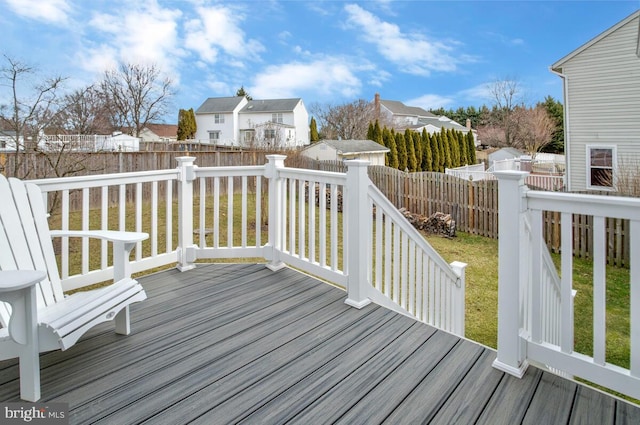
(327, 195)
(437, 223)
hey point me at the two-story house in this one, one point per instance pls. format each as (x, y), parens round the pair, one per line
(601, 82)
(401, 117)
(236, 121)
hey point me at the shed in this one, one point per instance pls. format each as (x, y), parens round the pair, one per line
(340, 150)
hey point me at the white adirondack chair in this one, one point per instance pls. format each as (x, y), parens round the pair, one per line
(44, 319)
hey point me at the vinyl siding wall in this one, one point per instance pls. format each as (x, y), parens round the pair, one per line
(603, 101)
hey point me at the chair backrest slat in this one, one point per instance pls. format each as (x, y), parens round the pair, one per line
(26, 242)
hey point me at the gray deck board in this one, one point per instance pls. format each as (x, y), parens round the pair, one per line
(228, 343)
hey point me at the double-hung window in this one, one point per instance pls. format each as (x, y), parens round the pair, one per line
(277, 117)
(214, 136)
(218, 118)
(601, 162)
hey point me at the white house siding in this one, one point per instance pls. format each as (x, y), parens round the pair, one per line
(206, 123)
(603, 101)
(301, 123)
(321, 152)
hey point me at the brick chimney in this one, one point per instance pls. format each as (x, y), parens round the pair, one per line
(468, 124)
(376, 105)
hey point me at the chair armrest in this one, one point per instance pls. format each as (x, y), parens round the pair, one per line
(109, 235)
(17, 288)
(123, 243)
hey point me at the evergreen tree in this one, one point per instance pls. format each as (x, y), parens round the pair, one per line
(462, 148)
(446, 150)
(241, 92)
(370, 131)
(426, 151)
(186, 124)
(402, 152)
(313, 128)
(454, 147)
(390, 142)
(435, 152)
(193, 126)
(471, 148)
(182, 123)
(556, 112)
(417, 146)
(412, 161)
(377, 134)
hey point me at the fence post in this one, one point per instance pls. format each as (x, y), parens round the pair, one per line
(357, 220)
(276, 162)
(458, 327)
(186, 249)
(511, 210)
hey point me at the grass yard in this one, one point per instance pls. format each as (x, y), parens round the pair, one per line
(481, 254)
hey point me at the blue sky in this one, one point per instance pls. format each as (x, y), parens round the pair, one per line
(423, 53)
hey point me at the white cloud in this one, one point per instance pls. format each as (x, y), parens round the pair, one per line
(52, 11)
(412, 53)
(326, 77)
(218, 29)
(430, 101)
(479, 94)
(146, 34)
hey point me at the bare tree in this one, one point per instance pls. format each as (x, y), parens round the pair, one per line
(84, 111)
(136, 95)
(31, 107)
(345, 121)
(507, 95)
(534, 129)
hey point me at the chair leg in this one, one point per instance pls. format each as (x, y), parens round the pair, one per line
(29, 353)
(123, 323)
(30, 376)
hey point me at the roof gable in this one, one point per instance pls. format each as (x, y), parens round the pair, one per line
(219, 105)
(271, 105)
(163, 130)
(399, 108)
(558, 65)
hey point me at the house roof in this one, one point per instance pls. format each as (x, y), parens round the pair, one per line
(163, 130)
(346, 147)
(399, 108)
(558, 65)
(440, 122)
(219, 105)
(270, 105)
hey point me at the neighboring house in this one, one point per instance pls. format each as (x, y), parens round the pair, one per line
(159, 133)
(236, 121)
(8, 141)
(602, 106)
(402, 117)
(340, 150)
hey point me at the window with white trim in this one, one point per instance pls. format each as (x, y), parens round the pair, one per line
(269, 134)
(214, 136)
(600, 166)
(277, 117)
(218, 118)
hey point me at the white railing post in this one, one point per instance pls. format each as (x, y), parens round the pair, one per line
(458, 325)
(276, 225)
(357, 220)
(511, 210)
(186, 249)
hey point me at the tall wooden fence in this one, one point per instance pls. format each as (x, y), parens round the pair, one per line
(473, 204)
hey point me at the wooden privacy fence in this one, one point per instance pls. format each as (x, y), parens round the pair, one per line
(473, 204)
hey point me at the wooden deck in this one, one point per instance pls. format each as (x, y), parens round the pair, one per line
(239, 343)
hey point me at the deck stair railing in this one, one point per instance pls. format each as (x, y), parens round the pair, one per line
(544, 333)
(336, 226)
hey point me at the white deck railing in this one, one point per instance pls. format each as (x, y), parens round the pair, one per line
(545, 332)
(319, 222)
